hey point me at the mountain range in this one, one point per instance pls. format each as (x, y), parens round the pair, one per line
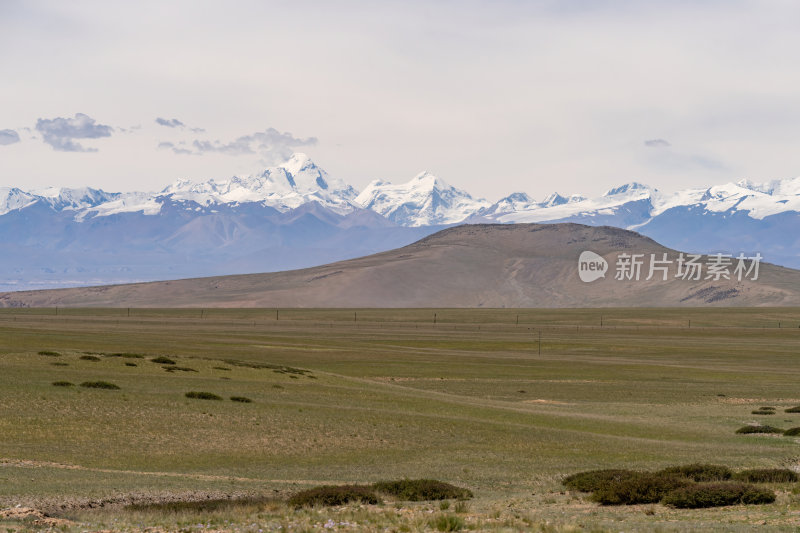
(296, 215)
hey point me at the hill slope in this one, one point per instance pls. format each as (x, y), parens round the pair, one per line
(521, 265)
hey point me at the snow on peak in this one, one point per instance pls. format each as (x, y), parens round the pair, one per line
(424, 200)
(633, 187)
(287, 186)
(555, 199)
(12, 198)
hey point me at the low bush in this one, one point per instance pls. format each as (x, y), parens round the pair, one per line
(795, 409)
(199, 395)
(173, 368)
(128, 363)
(63, 384)
(222, 368)
(163, 360)
(593, 480)
(766, 475)
(699, 472)
(99, 385)
(749, 430)
(59, 363)
(50, 353)
(416, 490)
(642, 488)
(89, 358)
(762, 412)
(241, 399)
(717, 495)
(792, 432)
(127, 355)
(330, 495)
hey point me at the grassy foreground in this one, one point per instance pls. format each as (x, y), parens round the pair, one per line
(471, 397)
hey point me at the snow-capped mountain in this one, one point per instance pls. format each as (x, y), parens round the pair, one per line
(424, 201)
(296, 215)
(288, 186)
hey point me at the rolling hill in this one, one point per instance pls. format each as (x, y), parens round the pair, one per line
(480, 265)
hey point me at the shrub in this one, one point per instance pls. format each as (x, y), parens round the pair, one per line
(128, 363)
(766, 475)
(89, 358)
(748, 430)
(221, 368)
(50, 353)
(127, 355)
(700, 472)
(163, 360)
(717, 495)
(792, 432)
(99, 385)
(59, 363)
(63, 384)
(173, 368)
(596, 479)
(330, 495)
(416, 490)
(642, 488)
(795, 409)
(766, 408)
(447, 522)
(199, 395)
(762, 412)
(241, 399)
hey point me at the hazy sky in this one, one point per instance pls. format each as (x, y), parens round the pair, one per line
(494, 97)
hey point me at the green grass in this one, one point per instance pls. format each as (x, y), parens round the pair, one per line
(393, 396)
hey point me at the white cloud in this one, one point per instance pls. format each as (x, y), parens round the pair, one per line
(8, 137)
(60, 132)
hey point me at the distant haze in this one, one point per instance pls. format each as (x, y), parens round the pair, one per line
(494, 97)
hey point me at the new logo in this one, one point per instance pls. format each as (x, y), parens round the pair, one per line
(591, 266)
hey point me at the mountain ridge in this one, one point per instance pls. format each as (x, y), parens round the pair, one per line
(296, 215)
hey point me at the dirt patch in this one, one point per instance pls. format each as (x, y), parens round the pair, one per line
(37, 517)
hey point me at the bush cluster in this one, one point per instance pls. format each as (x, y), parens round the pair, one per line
(748, 430)
(99, 385)
(596, 479)
(200, 395)
(795, 409)
(417, 490)
(161, 360)
(717, 495)
(700, 472)
(241, 399)
(686, 486)
(404, 489)
(642, 488)
(329, 495)
(766, 475)
(792, 432)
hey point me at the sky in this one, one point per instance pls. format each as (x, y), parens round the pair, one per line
(574, 96)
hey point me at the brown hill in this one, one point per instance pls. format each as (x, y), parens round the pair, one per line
(520, 265)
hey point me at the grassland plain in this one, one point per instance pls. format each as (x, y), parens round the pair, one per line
(472, 397)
